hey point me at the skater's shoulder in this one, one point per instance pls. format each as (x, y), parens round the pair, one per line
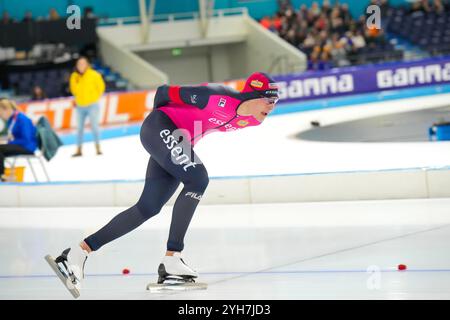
(221, 89)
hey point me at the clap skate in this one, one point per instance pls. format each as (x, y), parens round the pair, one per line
(175, 274)
(69, 269)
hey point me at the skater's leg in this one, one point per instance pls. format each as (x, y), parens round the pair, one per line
(170, 147)
(195, 183)
(159, 187)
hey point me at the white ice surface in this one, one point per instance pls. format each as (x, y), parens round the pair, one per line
(265, 251)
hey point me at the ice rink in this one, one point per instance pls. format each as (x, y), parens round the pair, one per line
(320, 250)
(336, 188)
(329, 250)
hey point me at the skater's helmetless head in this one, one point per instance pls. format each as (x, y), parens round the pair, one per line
(7, 108)
(82, 65)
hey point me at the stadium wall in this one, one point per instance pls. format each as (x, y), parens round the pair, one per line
(131, 66)
(233, 47)
(338, 186)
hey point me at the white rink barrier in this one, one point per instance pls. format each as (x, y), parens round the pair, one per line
(337, 186)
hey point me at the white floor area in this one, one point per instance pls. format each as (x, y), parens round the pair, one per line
(328, 250)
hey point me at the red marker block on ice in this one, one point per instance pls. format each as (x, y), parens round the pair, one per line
(125, 271)
(402, 267)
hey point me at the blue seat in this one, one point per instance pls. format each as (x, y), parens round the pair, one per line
(14, 78)
(26, 76)
(52, 74)
(40, 75)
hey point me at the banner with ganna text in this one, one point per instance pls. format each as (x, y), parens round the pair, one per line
(363, 79)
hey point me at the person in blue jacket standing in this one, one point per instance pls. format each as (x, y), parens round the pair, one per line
(22, 137)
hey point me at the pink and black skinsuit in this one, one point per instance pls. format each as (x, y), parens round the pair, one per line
(181, 116)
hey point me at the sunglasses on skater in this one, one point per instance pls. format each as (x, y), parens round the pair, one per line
(271, 100)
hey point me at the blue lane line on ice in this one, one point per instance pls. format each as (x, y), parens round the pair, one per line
(5, 184)
(285, 108)
(236, 272)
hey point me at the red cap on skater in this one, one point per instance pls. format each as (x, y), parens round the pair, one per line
(261, 83)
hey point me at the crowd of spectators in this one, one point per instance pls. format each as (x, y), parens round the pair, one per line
(328, 34)
(52, 16)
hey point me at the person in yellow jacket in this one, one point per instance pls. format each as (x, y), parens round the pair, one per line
(87, 87)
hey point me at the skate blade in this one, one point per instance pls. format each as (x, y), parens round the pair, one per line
(66, 281)
(182, 286)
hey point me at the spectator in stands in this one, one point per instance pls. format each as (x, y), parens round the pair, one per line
(326, 8)
(358, 40)
(319, 60)
(301, 36)
(6, 18)
(283, 5)
(345, 14)
(291, 37)
(308, 43)
(438, 7)
(325, 59)
(87, 86)
(374, 35)
(307, 28)
(337, 52)
(310, 18)
(416, 7)
(361, 23)
(282, 32)
(303, 12)
(266, 22)
(313, 62)
(315, 9)
(21, 134)
(336, 22)
(355, 45)
(28, 16)
(321, 22)
(291, 17)
(276, 22)
(38, 93)
(322, 39)
(53, 15)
